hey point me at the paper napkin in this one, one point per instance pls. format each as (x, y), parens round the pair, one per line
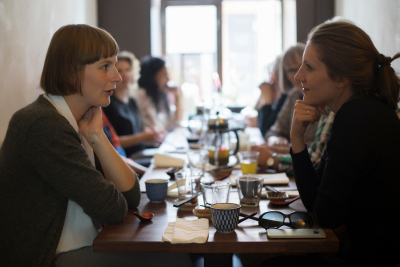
(186, 231)
(161, 160)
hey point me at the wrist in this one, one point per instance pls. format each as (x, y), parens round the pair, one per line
(270, 162)
(95, 140)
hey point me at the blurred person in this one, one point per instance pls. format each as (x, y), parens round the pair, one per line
(271, 100)
(114, 140)
(159, 105)
(282, 162)
(278, 136)
(123, 112)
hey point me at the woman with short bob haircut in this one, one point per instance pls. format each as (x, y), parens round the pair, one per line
(60, 178)
(343, 70)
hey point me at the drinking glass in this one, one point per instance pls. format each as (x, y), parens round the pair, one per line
(248, 161)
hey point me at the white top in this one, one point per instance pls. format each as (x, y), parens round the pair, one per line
(79, 230)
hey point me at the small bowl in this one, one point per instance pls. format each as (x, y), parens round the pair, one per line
(187, 206)
(202, 213)
(171, 172)
(277, 196)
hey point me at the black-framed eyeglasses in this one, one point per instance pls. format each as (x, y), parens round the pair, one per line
(275, 219)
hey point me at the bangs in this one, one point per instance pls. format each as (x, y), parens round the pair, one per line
(71, 48)
(98, 44)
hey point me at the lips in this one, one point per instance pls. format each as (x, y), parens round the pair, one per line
(110, 92)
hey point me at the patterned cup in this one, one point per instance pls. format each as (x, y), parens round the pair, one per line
(157, 189)
(225, 216)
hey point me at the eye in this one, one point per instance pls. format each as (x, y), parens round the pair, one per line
(105, 67)
(308, 67)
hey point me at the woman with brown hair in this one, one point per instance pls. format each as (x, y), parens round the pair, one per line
(356, 182)
(60, 178)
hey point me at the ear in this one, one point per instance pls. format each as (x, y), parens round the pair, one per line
(342, 82)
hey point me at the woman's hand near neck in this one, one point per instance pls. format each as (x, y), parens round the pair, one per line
(90, 125)
(89, 119)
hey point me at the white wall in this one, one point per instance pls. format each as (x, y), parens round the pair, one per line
(26, 27)
(379, 18)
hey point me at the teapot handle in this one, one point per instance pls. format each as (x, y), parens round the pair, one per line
(237, 144)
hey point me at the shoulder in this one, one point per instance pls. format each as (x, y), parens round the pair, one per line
(366, 118)
(140, 94)
(40, 113)
(367, 110)
(142, 99)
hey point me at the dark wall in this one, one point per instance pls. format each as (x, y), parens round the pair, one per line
(310, 13)
(128, 21)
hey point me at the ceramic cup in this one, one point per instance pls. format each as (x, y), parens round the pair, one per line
(156, 189)
(249, 190)
(225, 216)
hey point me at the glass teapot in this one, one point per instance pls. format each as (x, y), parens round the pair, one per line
(218, 142)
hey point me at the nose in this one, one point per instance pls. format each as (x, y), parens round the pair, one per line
(299, 77)
(116, 77)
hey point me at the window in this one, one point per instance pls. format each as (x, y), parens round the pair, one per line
(224, 47)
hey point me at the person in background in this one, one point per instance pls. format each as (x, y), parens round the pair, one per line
(114, 140)
(278, 137)
(60, 178)
(283, 162)
(123, 113)
(343, 70)
(272, 99)
(159, 105)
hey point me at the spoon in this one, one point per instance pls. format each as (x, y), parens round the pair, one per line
(283, 202)
(145, 217)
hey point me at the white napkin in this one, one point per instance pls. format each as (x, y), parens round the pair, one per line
(271, 178)
(186, 231)
(161, 160)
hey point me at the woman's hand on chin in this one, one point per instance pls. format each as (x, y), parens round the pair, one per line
(91, 124)
(303, 116)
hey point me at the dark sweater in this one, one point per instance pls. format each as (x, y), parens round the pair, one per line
(42, 165)
(267, 114)
(125, 119)
(357, 180)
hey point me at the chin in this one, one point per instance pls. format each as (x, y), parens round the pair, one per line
(105, 103)
(310, 101)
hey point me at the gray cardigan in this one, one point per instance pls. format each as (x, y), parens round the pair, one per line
(42, 165)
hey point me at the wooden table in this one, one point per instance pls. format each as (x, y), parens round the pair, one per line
(133, 236)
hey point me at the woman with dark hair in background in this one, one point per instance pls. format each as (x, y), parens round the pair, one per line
(123, 113)
(159, 105)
